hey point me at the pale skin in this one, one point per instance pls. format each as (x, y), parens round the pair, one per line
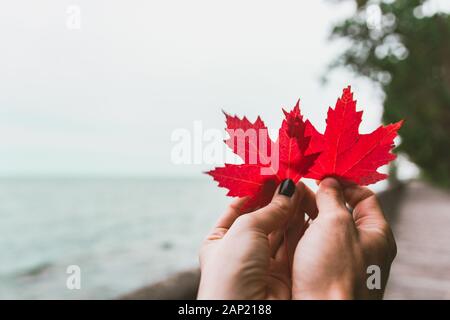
(271, 253)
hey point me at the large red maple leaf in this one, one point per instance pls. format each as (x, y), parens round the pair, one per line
(266, 163)
(345, 153)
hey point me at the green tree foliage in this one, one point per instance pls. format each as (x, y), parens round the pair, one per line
(408, 54)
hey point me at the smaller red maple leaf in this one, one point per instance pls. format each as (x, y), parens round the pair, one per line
(345, 153)
(266, 163)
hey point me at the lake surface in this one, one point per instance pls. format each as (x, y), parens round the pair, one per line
(122, 233)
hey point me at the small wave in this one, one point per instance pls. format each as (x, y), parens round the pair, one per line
(166, 245)
(35, 270)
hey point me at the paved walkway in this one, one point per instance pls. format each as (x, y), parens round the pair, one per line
(422, 230)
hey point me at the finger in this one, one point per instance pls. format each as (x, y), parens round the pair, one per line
(282, 207)
(364, 202)
(290, 237)
(308, 203)
(281, 256)
(330, 199)
(282, 264)
(285, 254)
(275, 241)
(231, 214)
(355, 194)
(294, 233)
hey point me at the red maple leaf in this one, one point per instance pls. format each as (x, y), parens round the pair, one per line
(301, 151)
(266, 163)
(345, 153)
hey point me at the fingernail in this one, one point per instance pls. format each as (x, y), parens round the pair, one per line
(287, 188)
(331, 182)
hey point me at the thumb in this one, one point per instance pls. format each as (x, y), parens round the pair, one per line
(330, 198)
(282, 207)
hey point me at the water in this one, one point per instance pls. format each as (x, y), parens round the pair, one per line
(122, 233)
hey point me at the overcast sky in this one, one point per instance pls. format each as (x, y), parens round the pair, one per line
(104, 99)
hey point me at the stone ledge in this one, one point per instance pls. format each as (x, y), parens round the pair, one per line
(182, 285)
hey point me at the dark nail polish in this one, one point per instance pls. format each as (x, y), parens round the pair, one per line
(287, 188)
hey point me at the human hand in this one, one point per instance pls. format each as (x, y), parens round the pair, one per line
(331, 259)
(245, 256)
